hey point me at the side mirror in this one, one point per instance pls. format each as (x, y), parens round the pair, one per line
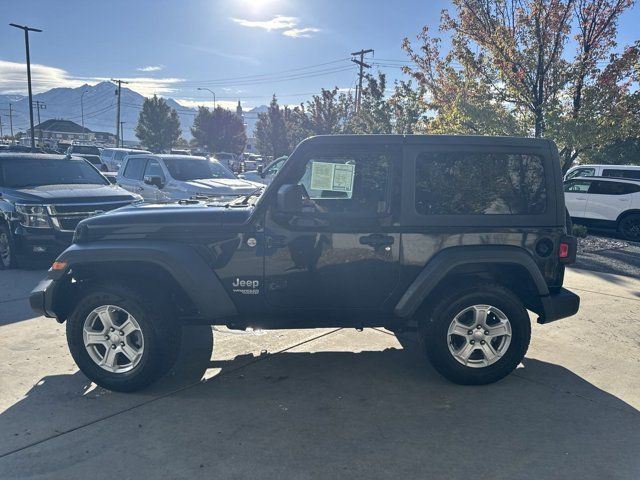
(290, 198)
(154, 180)
(260, 168)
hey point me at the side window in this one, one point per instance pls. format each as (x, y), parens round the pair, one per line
(621, 173)
(469, 183)
(357, 183)
(153, 169)
(582, 172)
(118, 156)
(106, 154)
(613, 188)
(577, 186)
(134, 168)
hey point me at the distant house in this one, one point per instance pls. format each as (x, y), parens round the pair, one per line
(105, 138)
(57, 130)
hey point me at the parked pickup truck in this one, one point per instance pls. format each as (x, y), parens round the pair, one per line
(42, 199)
(453, 238)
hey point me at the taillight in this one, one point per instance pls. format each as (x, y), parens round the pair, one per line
(563, 252)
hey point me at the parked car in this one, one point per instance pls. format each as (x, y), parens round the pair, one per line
(42, 199)
(167, 178)
(264, 176)
(229, 160)
(451, 237)
(91, 153)
(114, 157)
(618, 171)
(612, 203)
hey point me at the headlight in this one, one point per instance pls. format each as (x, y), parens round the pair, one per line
(34, 216)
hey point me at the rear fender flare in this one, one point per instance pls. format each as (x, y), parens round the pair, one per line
(444, 262)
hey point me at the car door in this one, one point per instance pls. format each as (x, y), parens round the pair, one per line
(342, 249)
(132, 175)
(153, 193)
(608, 199)
(575, 197)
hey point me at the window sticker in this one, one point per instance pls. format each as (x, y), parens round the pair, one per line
(336, 177)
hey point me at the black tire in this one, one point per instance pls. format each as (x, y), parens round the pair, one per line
(629, 227)
(433, 334)
(160, 331)
(8, 254)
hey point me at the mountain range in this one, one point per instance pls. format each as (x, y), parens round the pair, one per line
(99, 102)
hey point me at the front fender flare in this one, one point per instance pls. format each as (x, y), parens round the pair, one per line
(180, 261)
(444, 262)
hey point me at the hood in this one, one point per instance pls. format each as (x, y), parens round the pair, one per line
(71, 193)
(163, 221)
(220, 186)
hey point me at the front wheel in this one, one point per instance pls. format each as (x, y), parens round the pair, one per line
(8, 257)
(476, 336)
(629, 227)
(122, 338)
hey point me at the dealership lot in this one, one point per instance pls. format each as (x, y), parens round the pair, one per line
(323, 403)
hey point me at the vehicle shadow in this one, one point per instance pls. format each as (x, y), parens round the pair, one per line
(328, 414)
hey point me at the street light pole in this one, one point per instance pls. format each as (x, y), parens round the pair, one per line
(82, 113)
(212, 93)
(26, 43)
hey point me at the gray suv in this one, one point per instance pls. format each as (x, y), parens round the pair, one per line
(167, 178)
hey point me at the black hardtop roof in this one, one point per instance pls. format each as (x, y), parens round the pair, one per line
(429, 139)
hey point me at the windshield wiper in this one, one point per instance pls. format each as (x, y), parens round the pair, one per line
(247, 197)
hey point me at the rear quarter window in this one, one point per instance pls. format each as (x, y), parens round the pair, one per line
(468, 183)
(621, 173)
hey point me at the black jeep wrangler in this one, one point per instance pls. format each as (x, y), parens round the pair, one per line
(452, 237)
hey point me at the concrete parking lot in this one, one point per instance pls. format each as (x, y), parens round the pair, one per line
(329, 403)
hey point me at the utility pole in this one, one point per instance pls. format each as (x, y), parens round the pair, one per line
(11, 122)
(1, 134)
(118, 91)
(40, 105)
(362, 65)
(122, 134)
(26, 44)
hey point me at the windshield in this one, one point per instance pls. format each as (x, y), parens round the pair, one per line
(185, 169)
(34, 172)
(87, 149)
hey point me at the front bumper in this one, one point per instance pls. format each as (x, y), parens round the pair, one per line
(49, 242)
(557, 305)
(41, 298)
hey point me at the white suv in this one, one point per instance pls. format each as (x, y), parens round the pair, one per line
(631, 172)
(606, 203)
(167, 178)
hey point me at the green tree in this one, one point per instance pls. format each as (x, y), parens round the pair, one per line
(219, 130)
(158, 125)
(375, 113)
(512, 69)
(408, 108)
(271, 132)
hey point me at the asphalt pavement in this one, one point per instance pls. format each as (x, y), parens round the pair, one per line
(332, 403)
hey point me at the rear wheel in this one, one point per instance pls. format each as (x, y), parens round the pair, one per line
(122, 338)
(629, 227)
(476, 336)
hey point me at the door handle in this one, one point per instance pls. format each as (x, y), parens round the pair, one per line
(377, 240)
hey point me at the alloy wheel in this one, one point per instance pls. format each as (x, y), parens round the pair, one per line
(113, 339)
(479, 336)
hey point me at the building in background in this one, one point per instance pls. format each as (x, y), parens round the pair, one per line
(50, 132)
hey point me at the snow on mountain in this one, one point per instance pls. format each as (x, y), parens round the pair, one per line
(99, 103)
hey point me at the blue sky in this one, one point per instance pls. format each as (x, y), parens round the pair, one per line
(231, 46)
